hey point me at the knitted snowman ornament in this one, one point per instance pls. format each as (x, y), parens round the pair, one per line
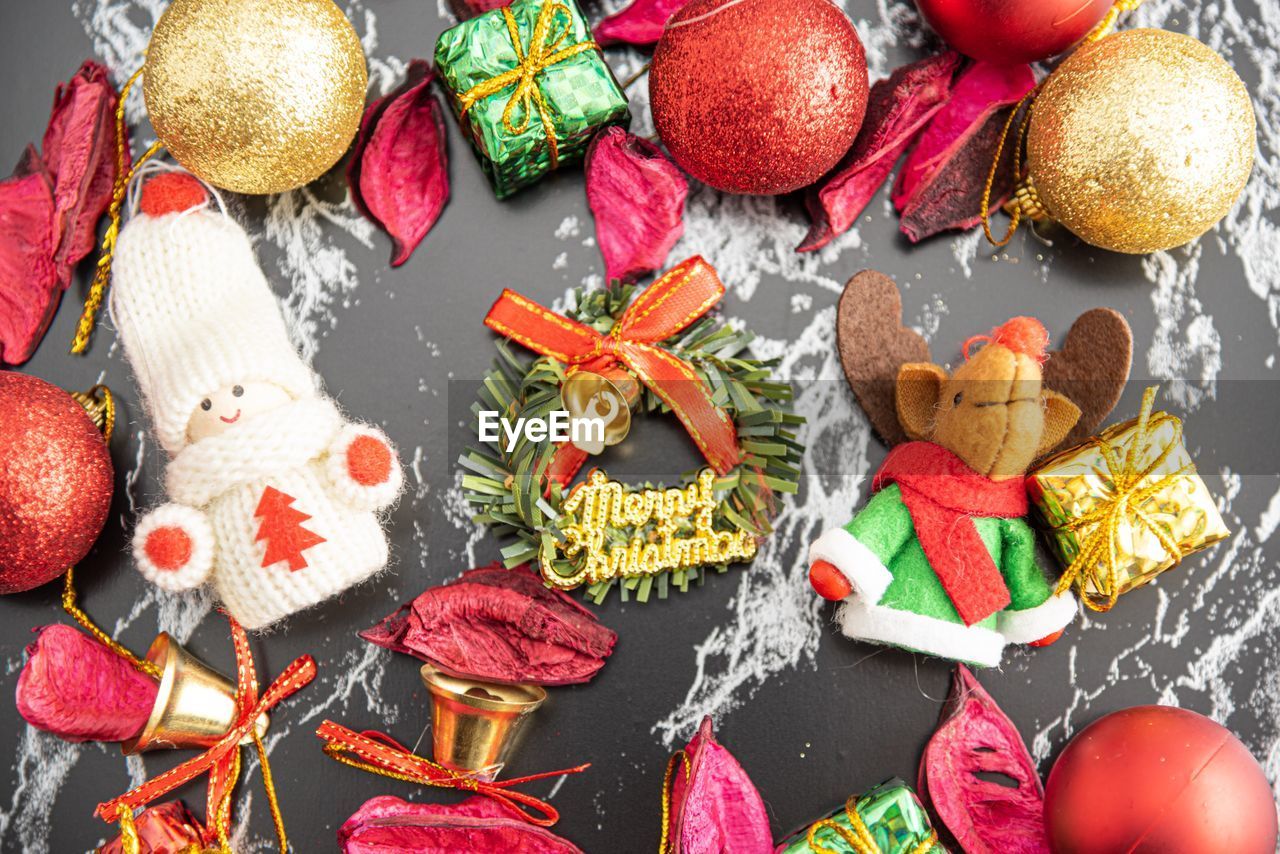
(274, 493)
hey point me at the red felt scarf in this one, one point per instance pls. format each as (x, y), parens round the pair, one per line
(943, 495)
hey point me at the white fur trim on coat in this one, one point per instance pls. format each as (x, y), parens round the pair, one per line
(359, 496)
(971, 644)
(192, 523)
(1032, 624)
(864, 571)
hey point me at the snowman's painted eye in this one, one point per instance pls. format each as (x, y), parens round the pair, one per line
(206, 404)
(237, 391)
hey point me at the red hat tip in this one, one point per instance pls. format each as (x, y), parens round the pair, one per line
(1024, 335)
(172, 192)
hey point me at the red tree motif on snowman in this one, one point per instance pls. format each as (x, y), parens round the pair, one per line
(282, 530)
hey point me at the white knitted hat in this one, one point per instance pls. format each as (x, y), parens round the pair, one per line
(193, 308)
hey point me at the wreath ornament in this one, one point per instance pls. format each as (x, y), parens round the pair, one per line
(654, 351)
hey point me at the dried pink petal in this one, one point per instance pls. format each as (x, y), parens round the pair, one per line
(974, 737)
(167, 828)
(715, 808)
(77, 689)
(640, 23)
(29, 283)
(80, 150)
(499, 625)
(637, 197)
(387, 824)
(465, 10)
(940, 185)
(399, 172)
(896, 110)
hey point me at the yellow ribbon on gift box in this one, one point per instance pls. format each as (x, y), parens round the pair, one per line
(857, 836)
(543, 52)
(1096, 563)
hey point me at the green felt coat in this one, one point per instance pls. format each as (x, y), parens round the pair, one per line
(898, 599)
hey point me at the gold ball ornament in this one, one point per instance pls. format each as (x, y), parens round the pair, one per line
(255, 96)
(1141, 141)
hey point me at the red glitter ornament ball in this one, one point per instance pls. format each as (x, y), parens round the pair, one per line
(758, 96)
(1012, 31)
(1158, 779)
(55, 482)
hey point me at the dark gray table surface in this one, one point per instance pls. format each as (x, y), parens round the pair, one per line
(811, 715)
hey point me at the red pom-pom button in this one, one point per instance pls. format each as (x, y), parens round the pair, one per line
(828, 581)
(368, 461)
(1047, 639)
(168, 548)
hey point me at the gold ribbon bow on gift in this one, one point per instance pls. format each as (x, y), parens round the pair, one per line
(545, 50)
(1097, 561)
(857, 835)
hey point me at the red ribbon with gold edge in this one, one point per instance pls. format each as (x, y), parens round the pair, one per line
(682, 295)
(221, 762)
(381, 754)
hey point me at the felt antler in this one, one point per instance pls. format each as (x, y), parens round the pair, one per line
(1090, 369)
(873, 345)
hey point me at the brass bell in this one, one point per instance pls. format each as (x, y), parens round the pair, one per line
(195, 706)
(475, 726)
(605, 397)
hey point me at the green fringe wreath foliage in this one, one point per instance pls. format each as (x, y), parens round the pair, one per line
(508, 491)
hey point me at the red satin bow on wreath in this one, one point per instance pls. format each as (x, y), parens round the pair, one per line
(681, 296)
(382, 754)
(222, 761)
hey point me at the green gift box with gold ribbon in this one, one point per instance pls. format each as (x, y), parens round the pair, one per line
(889, 819)
(530, 88)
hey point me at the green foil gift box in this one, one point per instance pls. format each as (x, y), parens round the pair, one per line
(530, 88)
(889, 819)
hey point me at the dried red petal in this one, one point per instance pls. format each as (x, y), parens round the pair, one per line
(975, 737)
(399, 173)
(640, 23)
(77, 689)
(499, 625)
(940, 186)
(897, 108)
(637, 197)
(29, 283)
(167, 828)
(80, 150)
(385, 824)
(715, 807)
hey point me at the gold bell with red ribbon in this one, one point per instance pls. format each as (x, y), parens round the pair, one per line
(476, 726)
(603, 399)
(195, 706)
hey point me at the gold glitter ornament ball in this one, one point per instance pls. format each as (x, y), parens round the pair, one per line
(255, 96)
(1141, 141)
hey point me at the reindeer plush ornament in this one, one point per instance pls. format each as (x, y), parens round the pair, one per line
(940, 560)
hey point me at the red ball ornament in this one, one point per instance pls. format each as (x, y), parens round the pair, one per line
(1012, 31)
(55, 482)
(758, 96)
(1158, 779)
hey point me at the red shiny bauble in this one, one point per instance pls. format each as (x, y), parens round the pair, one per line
(55, 482)
(758, 96)
(1012, 31)
(1158, 780)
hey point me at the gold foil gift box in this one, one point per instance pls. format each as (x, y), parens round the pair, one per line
(1124, 506)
